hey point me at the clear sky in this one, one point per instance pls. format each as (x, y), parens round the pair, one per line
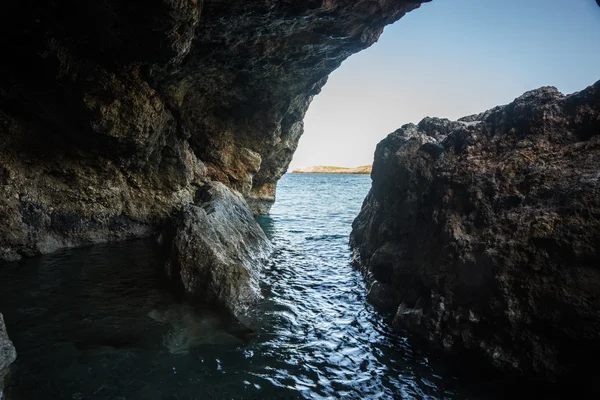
(449, 58)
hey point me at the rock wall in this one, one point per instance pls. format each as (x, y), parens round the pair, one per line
(113, 113)
(484, 233)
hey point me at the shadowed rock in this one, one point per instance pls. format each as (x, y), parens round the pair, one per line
(8, 353)
(484, 233)
(112, 113)
(218, 248)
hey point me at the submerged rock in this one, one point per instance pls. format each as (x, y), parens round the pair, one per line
(484, 233)
(8, 353)
(218, 248)
(190, 328)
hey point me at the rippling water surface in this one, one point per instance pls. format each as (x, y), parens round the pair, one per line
(97, 323)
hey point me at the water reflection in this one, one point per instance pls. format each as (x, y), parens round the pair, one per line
(99, 323)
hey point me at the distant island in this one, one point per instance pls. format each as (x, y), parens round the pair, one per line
(365, 170)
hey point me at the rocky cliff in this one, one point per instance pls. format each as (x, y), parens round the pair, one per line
(118, 119)
(484, 233)
(113, 113)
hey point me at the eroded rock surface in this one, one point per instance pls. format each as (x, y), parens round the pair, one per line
(218, 249)
(8, 353)
(484, 233)
(112, 113)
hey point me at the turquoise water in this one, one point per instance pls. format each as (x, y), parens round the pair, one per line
(98, 322)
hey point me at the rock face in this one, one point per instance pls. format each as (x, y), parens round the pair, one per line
(112, 113)
(7, 352)
(217, 249)
(484, 233)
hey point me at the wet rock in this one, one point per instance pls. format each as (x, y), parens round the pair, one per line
(218, 249)
(484, 234)
(111, 118)
(8, 353)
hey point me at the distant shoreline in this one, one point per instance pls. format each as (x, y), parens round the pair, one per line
(362, 170)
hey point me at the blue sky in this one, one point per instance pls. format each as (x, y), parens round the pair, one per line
(450, 58)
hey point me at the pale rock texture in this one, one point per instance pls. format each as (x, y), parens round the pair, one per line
(217, 249)
(484, 233)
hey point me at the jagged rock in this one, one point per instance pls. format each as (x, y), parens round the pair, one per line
(113, 113)
(218, 248)
(484, 233)
(8, 353)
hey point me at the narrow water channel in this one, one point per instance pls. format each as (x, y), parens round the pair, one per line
(98, 323)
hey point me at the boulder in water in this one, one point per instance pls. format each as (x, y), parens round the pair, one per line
(217, 249)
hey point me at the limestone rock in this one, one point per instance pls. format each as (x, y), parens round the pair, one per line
(218, 249)
(8, 353)
(484, 233)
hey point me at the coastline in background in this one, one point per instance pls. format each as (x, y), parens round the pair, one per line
(363, 170)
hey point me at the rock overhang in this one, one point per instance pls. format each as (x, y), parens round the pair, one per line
(115, 111)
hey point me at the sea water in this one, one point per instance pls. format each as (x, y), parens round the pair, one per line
(100, 323)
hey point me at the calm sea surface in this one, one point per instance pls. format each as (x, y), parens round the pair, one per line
(98, 323)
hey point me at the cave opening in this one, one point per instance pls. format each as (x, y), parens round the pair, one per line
(448, 60)
(174, 122)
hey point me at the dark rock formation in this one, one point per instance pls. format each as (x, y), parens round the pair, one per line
(217, 248)
(112, 113)
(484, 233)
(7, 352)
